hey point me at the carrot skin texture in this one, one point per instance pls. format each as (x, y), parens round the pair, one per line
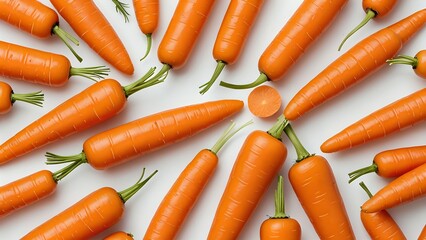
(119, 236)
(278, 229)
(406, 159)
(420, 69)
(357, 63)
(5, 98)
(381, 225)
(147, 12)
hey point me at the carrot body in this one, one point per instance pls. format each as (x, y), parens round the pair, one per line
(119, 236)
(402, 113)
(147, 14)
(91, 25)
(422, 235)
(357, 63)
(5, 97)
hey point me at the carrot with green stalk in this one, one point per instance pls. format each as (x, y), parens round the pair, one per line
(147, 14)
(418, 62)
(8, 97)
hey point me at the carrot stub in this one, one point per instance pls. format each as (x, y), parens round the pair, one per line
(8, 98)
(120, 235)
(264, 101)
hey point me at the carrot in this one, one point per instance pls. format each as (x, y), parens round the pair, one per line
(42, 67)
(95, 104)
(121, 8)
(394, 117)
(117, 145)
(120, 235)
(233, 32)
(393, 163)
(90, 216)
(264, 101)
(418, 62)
(37, 19)
(405, 188)
(258, 162)
(315, 186)
(8, 98)
(280, 226)
(373, 9)
(90, 24)
(380, 225)
(301, 30)
(356, 64)
(184, 193)
(147, 13)
(422, 235)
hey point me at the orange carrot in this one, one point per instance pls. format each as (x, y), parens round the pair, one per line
(280, 226)
(117, 145)
(393, 163)
(264, 101)
(8, 98)
(394, 117)
(233, 32)
(184, 193)
(301, 30)
(258, 162)
(120, 236)
(95, 104)
(147, 13)
(315, 186)
(422, 235)
(357, 63)
(42, 67)
(90, 24)
(121, 8)
(418, 62)
(90, 216)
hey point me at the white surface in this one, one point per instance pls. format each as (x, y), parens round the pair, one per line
(181, 88)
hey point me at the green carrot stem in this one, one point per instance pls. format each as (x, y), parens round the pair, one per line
(277, 129)
(65, 37)
(60, 174)
(365, 189)
(302, 153)
(369, 15)
(35, 98)
(358, 173)
(121, 8)
(58, 159)
(261, 79)
(127, 193)
(279, 200)
(92, 73)
(404, 59)
(226, 135)
(143, 82)
(148, 47)
(206, 86)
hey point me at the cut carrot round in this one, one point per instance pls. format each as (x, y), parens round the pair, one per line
(264, 101)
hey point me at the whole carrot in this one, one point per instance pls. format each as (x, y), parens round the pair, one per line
(120, 235)
(147, 14)
(42, 67)
(258, 162)
(422, 235)
(95, 104)
(394, 117)
(8, 98)
(90, 24)
(354, 65)
(90, 216)
(301, 30)
(418, 62)
(394, 162)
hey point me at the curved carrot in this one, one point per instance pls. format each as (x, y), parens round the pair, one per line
(41, 67)
(233, 32)
(393, 163)
(95, 104)
(264, 101)
(405, 188)
(258, 162)
(357, 63)
(90, 24)
(301, 30)
(418, 62)
(184, 193)
(147, 14)
(121, 8)
(394, 117)
(120, 236)
(280, 226)
(422, 235)
(37, 19)
(88, 217)
(8, 98)
(373, 9)
(315, 186)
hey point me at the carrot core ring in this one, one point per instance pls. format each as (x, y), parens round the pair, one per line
(264, 101)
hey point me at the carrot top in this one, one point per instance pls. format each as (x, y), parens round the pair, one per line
(362, 171)
(362, 184)
(35, 98)
(206, 86)
(226, 135)
(121, 8)
(370, 15)
(64, 36)
(279, 200)
(148, 45)
(261, 79)
(404, 59)
(301, 151)
(127, 193)
(92, 73)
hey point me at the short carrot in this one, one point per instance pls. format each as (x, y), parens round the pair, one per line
(147, 14)
(258, 162)
(121, 7)
(264, 101)
(90, 24)
(183, 195)
(422, 235)
(233, 32)
(42, 67)
(418, 62)
(90, 216)
(95, 104)
(394, 117)
(280, 226)
(120, 235)
(117, 145)
(308, 22)
(354, 65)
(8, 98)
(394, 162)
(313, 181)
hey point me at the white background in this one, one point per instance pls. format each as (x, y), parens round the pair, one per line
(181, 88)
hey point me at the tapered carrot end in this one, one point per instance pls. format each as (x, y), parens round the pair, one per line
(234, 105)
(368, 206)
(330, 145)
(290, 112)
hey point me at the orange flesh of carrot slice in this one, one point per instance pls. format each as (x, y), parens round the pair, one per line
(264, 101)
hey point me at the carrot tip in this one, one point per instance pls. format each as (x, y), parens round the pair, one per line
(148, 47)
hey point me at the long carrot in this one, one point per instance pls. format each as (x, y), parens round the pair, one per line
(35, 18)
(418, 62)
(90, 216)
(356, 64)
(394, 162)
(258, 162)
(42, 67)
(422, 235)
(315, 186)
(394, 117)
(184, 193)
(147, 14)
(308, 22)
(95, 104)
(120, 235)
(8, 98)
(127, 141)
(90, 24)
(233, 32)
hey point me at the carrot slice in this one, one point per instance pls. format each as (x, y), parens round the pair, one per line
(264, 101)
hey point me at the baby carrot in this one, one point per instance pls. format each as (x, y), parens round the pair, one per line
(120, 235)
(121, 8)
(8, 98)
(147, 13)
(418, 62)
